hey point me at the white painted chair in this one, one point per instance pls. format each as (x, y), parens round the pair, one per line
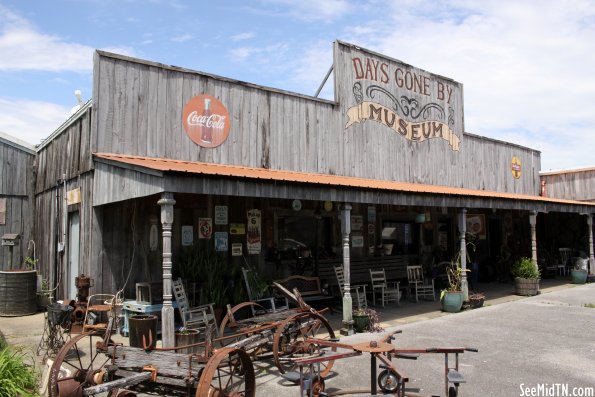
(358, 291)
(198, 317)
(418, 284)
(564, 264)
(389, 292)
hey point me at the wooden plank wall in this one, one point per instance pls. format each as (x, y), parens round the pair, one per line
(572, 185)
(69, 152)
(16, 179)
(138, 108)
(489, 161)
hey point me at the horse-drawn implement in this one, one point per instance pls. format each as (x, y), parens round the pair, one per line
(91, 363)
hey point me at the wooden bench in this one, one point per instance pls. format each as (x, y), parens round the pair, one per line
(309, 288)
(395, 268)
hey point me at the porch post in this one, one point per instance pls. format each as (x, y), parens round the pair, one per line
(533, 222)
(591, 255)
(347, 302)
(167, 312)
(463, 253)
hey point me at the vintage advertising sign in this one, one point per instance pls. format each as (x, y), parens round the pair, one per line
(220, 215)
(205, 227)
(221, 241)
(515, 167)
(73, 196)
(416, 105)
(206, 121)
(253, 239)
(237, 228)
(187, 236)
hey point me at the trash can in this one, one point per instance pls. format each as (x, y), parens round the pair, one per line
(142, 325)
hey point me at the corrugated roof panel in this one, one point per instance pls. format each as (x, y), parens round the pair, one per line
(237, 171)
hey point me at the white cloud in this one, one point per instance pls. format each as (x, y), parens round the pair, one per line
(312, 10)
(181, 38)
(30, 121)
(260, 55)
(243, 36)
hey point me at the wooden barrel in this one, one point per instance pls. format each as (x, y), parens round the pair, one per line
(18, 292)
(527, 286)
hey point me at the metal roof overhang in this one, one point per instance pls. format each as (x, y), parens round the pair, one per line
(120, 177)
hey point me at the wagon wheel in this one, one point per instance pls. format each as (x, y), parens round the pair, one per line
(251, 306)
(84, 360)
(289, 339)
(228, 373)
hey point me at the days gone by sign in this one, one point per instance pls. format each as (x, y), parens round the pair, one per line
(417, 105)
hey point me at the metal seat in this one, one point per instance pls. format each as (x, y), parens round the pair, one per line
(198, 317)
(358, 291)
(100, 307)
(418, 284)
(389, 292)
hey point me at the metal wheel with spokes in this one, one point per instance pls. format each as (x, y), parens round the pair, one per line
(289, 341)
(228, 373)
(79, 364)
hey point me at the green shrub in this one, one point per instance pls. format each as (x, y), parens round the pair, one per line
(524, 268)
(16, 378)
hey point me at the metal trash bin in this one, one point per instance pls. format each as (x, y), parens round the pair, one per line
(142, 325)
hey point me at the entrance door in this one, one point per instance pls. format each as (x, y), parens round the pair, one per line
(74, 226)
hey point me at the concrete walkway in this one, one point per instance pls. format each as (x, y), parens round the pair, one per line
(491, 329)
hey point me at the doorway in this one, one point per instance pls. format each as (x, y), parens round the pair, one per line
(74, 227)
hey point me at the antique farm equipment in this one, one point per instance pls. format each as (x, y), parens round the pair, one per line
(94, 364)
(282, 333)
(390, 380)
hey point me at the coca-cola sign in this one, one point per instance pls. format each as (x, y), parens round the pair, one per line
(206, 121)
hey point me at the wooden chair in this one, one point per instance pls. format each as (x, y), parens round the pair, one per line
(389, 292)
(358, 291)
(564, 265)
(198, 317)
(417, 283)
(270, 303)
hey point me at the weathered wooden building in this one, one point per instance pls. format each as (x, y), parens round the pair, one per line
(16, 201)
(163, 158)
(573, 184)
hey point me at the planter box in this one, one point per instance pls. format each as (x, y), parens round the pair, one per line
(578, 276)
(188, 337)
(527, 286)
(361, 323)
(452, 302)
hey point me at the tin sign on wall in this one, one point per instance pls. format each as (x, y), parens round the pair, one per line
(206, 121)
(515, 167)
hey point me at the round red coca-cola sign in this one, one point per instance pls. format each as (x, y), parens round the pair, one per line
(206, 121)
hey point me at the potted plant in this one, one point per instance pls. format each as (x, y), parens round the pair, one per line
(476, 300)
(526, 277)
(185, 337)
(451, 298)
(366, 320)
(579, 272)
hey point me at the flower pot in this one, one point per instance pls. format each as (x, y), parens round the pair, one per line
(187, 337)
(578, 276)
(526, 286)
(361, 323)
(476, 303)
(452, 302)
(142, 325)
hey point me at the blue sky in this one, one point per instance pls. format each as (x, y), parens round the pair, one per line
(526, 66)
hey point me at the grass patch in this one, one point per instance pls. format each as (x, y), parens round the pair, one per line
(589, 305)
(16, 377)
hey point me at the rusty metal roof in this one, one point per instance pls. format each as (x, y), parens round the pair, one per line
(236, 171)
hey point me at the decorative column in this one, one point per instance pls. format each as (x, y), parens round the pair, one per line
(533, 222)
(347, 302)
(167, 312)
(463, 253)
(591, 255)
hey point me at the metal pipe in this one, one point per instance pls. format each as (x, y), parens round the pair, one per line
(324, 81)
